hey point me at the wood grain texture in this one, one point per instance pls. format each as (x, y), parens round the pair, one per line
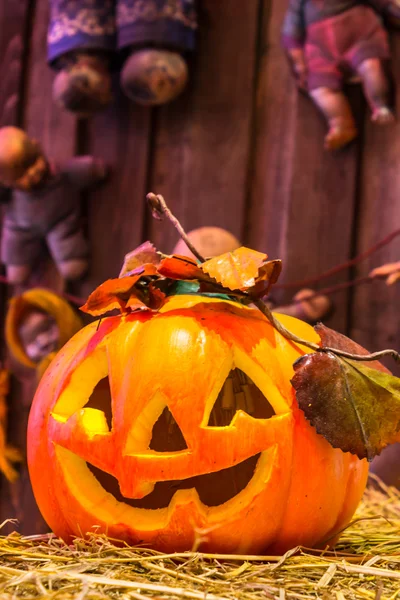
(56, 133)
(13, 38)
(375, 319)
(120, 136)
(318, 232)
(273, 138)
(202, 141)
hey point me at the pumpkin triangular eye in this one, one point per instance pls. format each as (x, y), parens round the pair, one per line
(101, 400)
(166, 435)
(239, 393)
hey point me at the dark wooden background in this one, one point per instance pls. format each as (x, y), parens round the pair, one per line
(240, 149)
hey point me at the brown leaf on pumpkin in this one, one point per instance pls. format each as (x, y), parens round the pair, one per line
(355, 407)
(332, 339)
(181, 267)
(156, 297)
(115, 293)
(268, 275)
(243, 269)
(144, 254)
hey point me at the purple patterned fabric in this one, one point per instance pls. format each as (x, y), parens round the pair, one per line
(80, 24)
(109, 25)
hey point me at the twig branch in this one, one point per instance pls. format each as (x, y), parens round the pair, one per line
(343, 266)
(160, 209)
(294, 338)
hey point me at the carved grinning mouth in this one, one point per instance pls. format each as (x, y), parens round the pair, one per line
(213, 489)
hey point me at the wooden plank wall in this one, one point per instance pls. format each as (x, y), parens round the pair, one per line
(239, 149)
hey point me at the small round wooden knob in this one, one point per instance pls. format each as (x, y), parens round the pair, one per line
(209, 241)
(83, 87)
(153, 77)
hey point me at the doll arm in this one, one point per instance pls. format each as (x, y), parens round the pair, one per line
(391, 271)
(293, 29)
(389, 8)
(85, 171)
(293, 35)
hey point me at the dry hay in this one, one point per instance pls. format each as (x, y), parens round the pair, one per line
(364, 565)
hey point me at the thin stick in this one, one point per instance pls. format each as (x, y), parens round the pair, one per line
(343, 266)
(294, 338)
(160, 208)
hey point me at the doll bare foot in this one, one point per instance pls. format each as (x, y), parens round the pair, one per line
(307, 306)
(339, 136)
(18, 274)
(313, 308)
(83, 86)
(383, 116)
(73, 269)
(153, 77)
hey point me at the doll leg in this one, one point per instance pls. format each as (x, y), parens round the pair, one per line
(336, 109)
(81, 40)
(156, 37)
(20, 249)
(377, 90)
(68, 247)
(308, 308)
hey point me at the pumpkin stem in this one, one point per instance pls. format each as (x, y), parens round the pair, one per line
(294, 338)
(160, 209)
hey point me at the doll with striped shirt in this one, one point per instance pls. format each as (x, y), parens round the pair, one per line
(328, 42)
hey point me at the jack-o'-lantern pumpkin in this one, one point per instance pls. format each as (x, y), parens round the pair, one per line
(178, 427)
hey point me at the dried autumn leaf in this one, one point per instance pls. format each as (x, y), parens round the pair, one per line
(181, 268)
(243, 269)
(268, 275)
(115, 293)
(151, 296)
(355, 407)
(332, 339)
(144, 254)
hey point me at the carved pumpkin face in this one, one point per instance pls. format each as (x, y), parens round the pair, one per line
(201, 442)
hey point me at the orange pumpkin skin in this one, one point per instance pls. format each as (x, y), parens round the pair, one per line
(303, 492)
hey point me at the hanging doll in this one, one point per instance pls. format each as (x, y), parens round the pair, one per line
(42, 204)
(212, 241)
(152, 38)
(328, 41)
(38, 324)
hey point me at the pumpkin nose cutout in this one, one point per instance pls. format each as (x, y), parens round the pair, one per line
(239, 393)
(167, 435)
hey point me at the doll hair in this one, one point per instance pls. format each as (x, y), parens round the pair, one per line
(46, 302)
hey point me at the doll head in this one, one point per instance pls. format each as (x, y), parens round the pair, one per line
(22, 162)
(38, 323)
(39, 334)
(209, 241)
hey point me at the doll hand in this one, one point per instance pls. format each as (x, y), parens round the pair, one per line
(101, 169)
(299, 67)
(393, 13)
(391, 271)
